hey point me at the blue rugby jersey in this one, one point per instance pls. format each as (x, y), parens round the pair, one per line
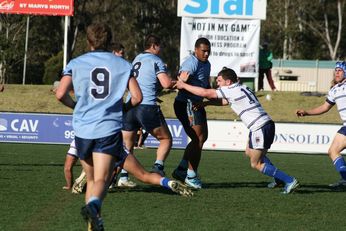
(199, 76)
(99, 80)
(146, 67)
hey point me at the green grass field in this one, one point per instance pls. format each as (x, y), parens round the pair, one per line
(234, 196)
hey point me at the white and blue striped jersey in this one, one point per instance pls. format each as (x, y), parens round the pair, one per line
(245, 104)
(99, 80)
(337, 95)
(146, 67)
(199, 76)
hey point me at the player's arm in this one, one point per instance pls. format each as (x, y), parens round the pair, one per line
(206, 93)
(216, 102)
(315, 111)
(63, 92)
(136, 94)
(165, 80)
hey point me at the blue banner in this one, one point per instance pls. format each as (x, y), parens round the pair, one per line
(179, 136)
(57, 129)
(36, 128)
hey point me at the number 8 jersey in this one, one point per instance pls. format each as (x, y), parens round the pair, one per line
(245, 104)
(99, 80)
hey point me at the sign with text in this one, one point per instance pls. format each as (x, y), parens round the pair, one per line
(241, 9)
(36, 128)
(57, 129)
(289, 137)
(234, 43)
(41, 7)
(179, 136)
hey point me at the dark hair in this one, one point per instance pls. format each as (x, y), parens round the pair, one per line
(202, 40)
(99, 35)
(228, 73)
(116, 46)
(151, 40)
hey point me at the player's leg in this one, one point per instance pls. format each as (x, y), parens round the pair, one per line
(70, 161)
(259, 142)
(129, 133)
(164, 136)
(195, 126)
(103, 168)
(338, 144)
(144, 137)
(129, 141)
(153, 121)
(137, 170)
(98, 166)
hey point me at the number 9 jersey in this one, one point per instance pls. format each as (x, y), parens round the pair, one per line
(245, 104)
(99, 80)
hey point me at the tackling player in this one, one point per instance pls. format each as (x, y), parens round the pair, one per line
(336, 95)
(245, 104)
(100, 79)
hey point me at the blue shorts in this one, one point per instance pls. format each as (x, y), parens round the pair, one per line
(187, 116)
(263, 137)
(342, 130)
(110, 145)
(148, 117)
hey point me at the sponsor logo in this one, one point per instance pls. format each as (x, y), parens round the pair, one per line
(25, 125)
(3, 125)
(215, 7)
(6, 5)
(301, 139)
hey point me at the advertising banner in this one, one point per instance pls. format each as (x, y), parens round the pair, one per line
(40, 7)
(36, 128)
(234, 43)
(179, 136)
(57, 129)
(289, 137)
(241, 9)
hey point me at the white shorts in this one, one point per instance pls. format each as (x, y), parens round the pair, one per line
(72, 150)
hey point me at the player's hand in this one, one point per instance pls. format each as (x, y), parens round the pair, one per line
(173, 84)
(184, 76)
(301, 113)
(180, 84)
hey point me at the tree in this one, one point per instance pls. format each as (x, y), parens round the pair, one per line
(329, 29)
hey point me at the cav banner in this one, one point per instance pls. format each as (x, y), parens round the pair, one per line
(57, 129)
(234, 43)
(243, 9)
(41, 7)
(179, 136)
(36, 128)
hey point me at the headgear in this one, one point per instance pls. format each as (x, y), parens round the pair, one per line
(341, 65)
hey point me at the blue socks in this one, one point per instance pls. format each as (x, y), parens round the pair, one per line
(272, 171)
(164, 182)
(340, 166)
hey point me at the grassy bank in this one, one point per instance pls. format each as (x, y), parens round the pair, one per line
(40, 98)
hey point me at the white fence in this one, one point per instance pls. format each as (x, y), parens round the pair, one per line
(299, 75)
